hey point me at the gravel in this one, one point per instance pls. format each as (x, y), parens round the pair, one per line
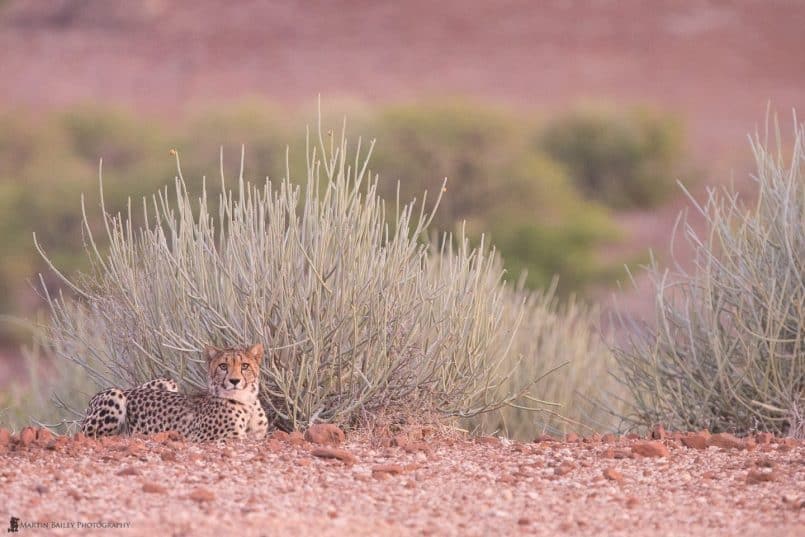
(420, 483)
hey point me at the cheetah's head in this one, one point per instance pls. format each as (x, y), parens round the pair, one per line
(234, 373)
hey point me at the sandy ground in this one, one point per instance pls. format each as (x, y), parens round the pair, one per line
(419, 484)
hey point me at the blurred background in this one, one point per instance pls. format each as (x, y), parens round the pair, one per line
(562, 126)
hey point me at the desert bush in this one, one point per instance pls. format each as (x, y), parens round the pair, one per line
(575, 364)
(624, 160)
(48, 392)
(361, 314)
(728, 349)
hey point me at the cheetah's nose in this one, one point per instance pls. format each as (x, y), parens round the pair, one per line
(234, 381)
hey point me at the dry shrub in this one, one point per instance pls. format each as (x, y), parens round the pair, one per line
(361, 314)
(728, 350)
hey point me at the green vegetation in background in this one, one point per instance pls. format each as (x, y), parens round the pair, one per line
(498, 184)
(625, 160)
(500, 180)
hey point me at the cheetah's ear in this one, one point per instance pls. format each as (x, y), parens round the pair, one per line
(256, 352)
(210, 353)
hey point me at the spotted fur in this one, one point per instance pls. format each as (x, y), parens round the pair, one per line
(229, 409)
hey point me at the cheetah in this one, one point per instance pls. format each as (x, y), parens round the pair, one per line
(229, 409)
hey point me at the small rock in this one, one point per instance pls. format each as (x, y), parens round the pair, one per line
(134, 449)
(202, 495)
(609, 438)
(632, 502)
(764, 439)
(571, 438)
(650, 449)
(153, 488)
(296, 438)
(696, 440)
(27, 436)
(334, 453)
(613, 475)
(507, 479)
(74, 494)
(523, 521)
(391, 469)
(544, 438)
(564, 468)
(43, 436)
(168, 456)
(324, 434)
(611, 453)
(280, 436)
(658, 432)
(129, 470)
(758, 476)
(57, 444)
(5, 436)
(794, 501)
(725, 441)
(41, 489)
(488, 440)
(273, 446)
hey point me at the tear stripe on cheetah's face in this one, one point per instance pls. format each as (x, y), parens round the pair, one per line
(234, 373)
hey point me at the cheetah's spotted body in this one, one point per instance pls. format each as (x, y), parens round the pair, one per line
(230, 409)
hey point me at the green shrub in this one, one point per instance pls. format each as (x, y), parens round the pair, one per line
(474, 147)
(31, 154)
(728, 349)
(497, 184)
(262, 129)
(362, 317)
(623, 160)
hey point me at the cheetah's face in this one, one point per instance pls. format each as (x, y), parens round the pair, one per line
(234, 373)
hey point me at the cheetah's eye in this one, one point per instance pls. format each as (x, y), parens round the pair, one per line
(222, 367)
(244, 367)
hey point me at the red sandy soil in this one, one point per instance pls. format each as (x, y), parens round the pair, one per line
(422, 483)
